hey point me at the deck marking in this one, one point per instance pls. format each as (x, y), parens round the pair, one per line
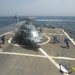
(22, 54)
(53, 34)
(11, 32)
(60, 34)
(1, 50)
(69, 37)
(65, 58)
(57, 65)
(66, 74)
(13, 53)
(47, 40)
(9, 41)
(46, 55)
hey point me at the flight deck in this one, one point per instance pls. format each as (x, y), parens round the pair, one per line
(21, 59)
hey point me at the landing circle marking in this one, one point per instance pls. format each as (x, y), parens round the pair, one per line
(9, 41)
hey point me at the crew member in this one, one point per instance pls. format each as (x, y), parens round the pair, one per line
(0, 45)
(3, 39)
(55, 38)
(66, 40)
(0, 42)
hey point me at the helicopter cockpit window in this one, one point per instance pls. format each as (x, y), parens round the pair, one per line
(35, 34)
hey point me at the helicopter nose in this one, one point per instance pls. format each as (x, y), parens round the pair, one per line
(36, 43)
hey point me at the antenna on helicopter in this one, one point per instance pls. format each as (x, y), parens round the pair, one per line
(16, 17)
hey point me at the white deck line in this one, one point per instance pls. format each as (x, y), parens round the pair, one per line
(9, 41)
(64, 58)
(47, 40)
(12, 53)
(11, 32)
(53, 34)
(56, 64)
(22, 54)
(66, 74)
(1, 50)
(69, 37)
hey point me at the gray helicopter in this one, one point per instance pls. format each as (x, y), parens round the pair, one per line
(29, 34)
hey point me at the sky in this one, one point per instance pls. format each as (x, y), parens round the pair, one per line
(37, 7)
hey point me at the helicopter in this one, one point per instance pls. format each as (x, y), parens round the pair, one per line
(29, 34)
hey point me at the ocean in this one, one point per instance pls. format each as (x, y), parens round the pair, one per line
(66, 22)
